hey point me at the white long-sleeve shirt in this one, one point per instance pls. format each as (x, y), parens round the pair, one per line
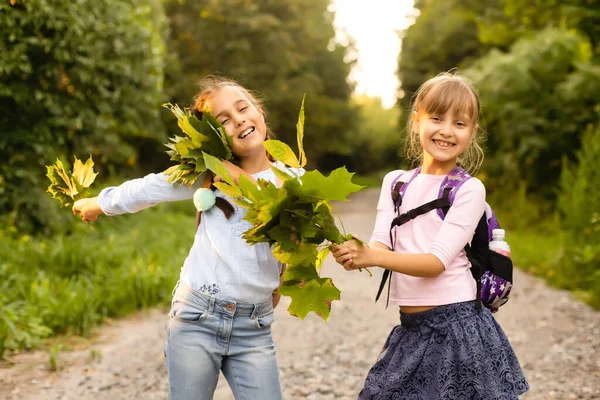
(220, 262)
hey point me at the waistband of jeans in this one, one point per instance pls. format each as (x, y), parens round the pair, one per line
(214, 304)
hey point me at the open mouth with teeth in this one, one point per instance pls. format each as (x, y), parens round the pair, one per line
(247, 132)
(442, 143)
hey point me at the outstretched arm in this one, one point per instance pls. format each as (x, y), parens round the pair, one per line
(133, 196)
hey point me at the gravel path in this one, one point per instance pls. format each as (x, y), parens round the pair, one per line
(556, 338)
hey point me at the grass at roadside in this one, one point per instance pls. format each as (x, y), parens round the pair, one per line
(70, 283)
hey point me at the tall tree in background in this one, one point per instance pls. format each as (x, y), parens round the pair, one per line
(536, 65)
(281, 49)
(76, 78)
(444, 36)
(538, 98)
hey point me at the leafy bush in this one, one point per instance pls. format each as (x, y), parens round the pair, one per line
(70, 283)
(76, 78)
(537, 100)
(579, 205)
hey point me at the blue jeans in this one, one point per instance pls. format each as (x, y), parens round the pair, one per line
(206, 334)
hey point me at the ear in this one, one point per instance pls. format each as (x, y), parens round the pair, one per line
(415, 119)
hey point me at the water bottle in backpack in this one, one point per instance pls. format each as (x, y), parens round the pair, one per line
(498, 244)
(495, 290)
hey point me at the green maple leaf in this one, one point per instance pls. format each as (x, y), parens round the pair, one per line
(281, 152)
(309, 295)
(303, 253)
(217, 167)
(314, 186)
(229, 190)
(250, 190)
(201, 136)
(300, 272)
(281, 175)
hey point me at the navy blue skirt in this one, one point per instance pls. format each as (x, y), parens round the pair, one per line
(449, 352)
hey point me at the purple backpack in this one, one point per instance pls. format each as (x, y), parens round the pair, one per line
(492, 271)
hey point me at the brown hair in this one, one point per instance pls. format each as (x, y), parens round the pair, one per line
(436, 96)
(208, 86)
(211, 84)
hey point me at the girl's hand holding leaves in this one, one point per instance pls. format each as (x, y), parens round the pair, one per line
(350, 254)
(88, 209)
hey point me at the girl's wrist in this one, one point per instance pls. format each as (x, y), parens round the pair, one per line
(376, 255)
(373, 257)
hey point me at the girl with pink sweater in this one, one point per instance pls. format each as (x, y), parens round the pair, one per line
(445, 347)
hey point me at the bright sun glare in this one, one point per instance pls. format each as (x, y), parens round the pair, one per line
(374, 26)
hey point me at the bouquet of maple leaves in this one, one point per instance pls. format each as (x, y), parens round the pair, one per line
(201, 136)
(295, 219)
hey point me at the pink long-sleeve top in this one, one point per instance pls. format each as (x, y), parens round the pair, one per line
(428, 233)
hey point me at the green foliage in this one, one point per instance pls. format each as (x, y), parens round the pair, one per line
(75, 77)
(536, 105)
(502, 22)
(378, 140)
(68, 186)
(563, 246)
(538, 84)
(295, 219)
(430, 47)
(53, 354)
(280, 49)
(579, 205)
(204, 136)
(69, 284)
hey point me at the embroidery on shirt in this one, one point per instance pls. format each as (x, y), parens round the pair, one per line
(209, 289)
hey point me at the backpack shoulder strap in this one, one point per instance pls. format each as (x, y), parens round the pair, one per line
(400, 184)
(450, 185)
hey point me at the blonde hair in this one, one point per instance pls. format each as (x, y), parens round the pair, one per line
(211, 84)
(436, 96)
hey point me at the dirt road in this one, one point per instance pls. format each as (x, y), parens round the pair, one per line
(556, 338)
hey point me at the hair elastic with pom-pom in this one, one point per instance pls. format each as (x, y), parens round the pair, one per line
(204, 199)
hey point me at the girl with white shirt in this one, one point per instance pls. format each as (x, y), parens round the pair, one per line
(445, 347)
(222, 306)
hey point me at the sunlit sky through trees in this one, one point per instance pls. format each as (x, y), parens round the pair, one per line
(374, 26)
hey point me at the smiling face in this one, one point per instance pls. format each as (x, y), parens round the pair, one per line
(242, 120)
(444, 137)
(443, 125)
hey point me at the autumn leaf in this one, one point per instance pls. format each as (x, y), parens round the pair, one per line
(300, 135)
(66, 186)
(84, 173)
(281, 152)
(200, 136)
